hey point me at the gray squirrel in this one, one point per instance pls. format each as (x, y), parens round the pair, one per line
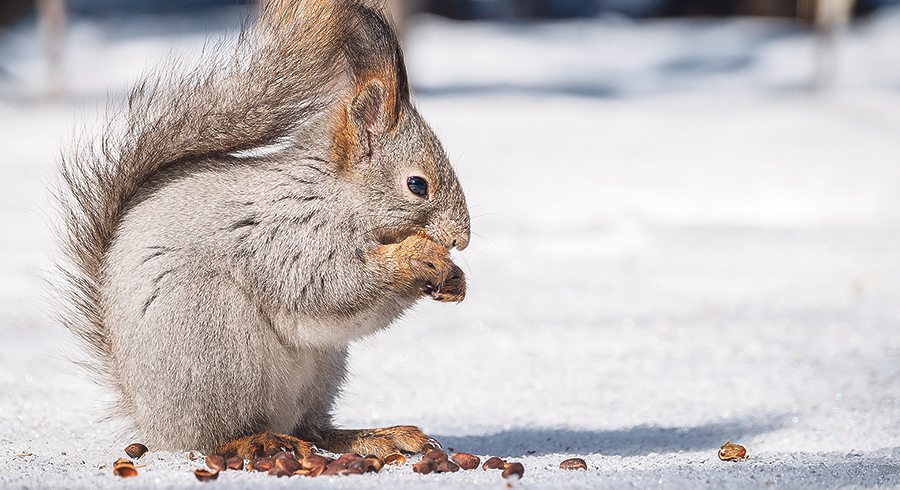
(234, 228)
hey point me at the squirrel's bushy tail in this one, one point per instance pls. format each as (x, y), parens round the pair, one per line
(281, 72)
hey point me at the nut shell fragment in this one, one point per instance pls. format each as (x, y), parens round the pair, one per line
(136, 450)
(731, 452)
(424, 467)
(216, 462)
(235, 463)
(446, 467)
(287, 465)
(466, 461)
(260, 464)
(124, 468)
(513, 469)
(205, 475)
(573, 464)
(375, 463)
(395, 459)
(494, 463)
(436, 455)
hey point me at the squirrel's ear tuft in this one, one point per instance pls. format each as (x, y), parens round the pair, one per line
(378, 84)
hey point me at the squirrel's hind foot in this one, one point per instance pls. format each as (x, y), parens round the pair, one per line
(264, 445)
(380, 442)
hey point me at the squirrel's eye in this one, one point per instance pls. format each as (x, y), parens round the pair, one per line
(418, 186)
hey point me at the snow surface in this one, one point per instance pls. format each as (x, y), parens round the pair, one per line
(676, 245)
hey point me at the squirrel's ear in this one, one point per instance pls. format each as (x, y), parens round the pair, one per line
(362, 125)
(369, 110)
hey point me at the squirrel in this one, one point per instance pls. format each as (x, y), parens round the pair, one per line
(233, 228)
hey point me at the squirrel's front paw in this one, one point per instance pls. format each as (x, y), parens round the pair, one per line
(432, 270)
(453, 288)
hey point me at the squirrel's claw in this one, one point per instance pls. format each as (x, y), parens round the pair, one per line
(452, 290)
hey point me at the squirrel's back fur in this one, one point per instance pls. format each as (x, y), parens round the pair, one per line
(276, 77)
(189, 261)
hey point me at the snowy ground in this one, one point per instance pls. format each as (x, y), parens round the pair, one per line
(676, 246)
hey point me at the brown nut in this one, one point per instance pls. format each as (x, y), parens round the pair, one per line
(287, 465)
(335, 467)
(513, 469)
(395, 459)
(360, 465)
(375, 463)
(446, 467)
(466, 461)
(260, 464)
(124, 468)
(205, 475)
(731, 452)
(424, 467)
(314, 461)
(275, 471)
(573, 464)
(346, 459)
(217, 462)
(436, 455)
(235, 463)
(136, 450)
(315, 464)
(494, 463)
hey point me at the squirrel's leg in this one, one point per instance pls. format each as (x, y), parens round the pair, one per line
(379, 442)
(263, 445)
(420, 263)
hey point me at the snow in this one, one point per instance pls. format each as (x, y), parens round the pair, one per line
(676, 245)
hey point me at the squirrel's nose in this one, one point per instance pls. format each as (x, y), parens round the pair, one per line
(450, 234)
(461, 241)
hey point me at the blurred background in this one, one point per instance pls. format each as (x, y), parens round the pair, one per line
(822, 19)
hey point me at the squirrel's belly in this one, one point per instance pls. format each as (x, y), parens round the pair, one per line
(336, 331)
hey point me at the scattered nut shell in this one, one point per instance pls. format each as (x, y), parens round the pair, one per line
(375, 463)
(436, 455)
(124, 468)
(287, 465)
(357, 467)
(136, 450)
(446, 467)
(424, 467)
(205, 475)
(314, 464)
(513, 469)
(731, 452)
(314, 461)
(494, 463)
(216, 462)
(573, 464)
(395, 459)
(260, 464)
(466, 461)
(361, 465)
(235, 463)
(24, 455)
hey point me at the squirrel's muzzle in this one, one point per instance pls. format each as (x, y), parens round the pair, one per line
(450, 233)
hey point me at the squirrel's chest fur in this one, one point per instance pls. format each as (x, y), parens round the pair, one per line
(244, 275)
